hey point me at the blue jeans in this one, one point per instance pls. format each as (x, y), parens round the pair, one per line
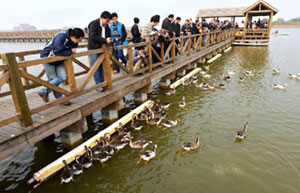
(98, 76)
(118, 54)
(56, 74)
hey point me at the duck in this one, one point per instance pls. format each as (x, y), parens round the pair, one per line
(148, 155)
(171, 123)
(67, 173)
(279, 87)
(139, 144)
(98, 148)
(165, 105)
(207, 76)
(102, 157)
(195, 77)
(202, 72)
(152, 121)
(187, 82)
(118, 142)
(230, 72)
(77, 167)
(208, 87)
(86, 160)
(135, 124)
(293, 76)
(202, 85)
(107, 148)
(275, 71)
(188, 146)
(242, 133)
(222, 86)
(206, 68)
(226, 78)
(249, 73)
(195, 81)
(182, 102)
(241, 79)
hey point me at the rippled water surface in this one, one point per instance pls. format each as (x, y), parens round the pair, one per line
(268, 160)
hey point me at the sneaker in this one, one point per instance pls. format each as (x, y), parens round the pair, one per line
(44, 97)
(66, 103)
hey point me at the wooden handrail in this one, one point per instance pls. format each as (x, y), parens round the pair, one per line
(184, 46)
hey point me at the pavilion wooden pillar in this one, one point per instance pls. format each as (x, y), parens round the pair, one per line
(270, 24)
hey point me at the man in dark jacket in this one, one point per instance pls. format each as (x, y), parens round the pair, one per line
(119, 36)
(136, 35)
(169, 25)
(99, 33)
(177, 28)
(62, 44)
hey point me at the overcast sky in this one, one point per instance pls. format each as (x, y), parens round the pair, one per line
(53, 14)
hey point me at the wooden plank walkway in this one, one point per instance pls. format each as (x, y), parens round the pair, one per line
(14, 138)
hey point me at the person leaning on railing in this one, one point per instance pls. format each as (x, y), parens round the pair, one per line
(99, 33)
(62, 44)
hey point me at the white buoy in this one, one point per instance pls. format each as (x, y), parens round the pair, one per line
(228, 49)
(183, 79)
(214, 58)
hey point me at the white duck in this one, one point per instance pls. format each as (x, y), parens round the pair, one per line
(279, 87)
(148, 155)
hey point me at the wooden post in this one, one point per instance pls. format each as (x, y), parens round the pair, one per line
(245, 24)
(200, 42)
(17, 89)
(71, 75)
(162, 51)
(173, 53)
(189, 44)
(270, 24)
(149, 51)
(130, 58)
(181, 44)
(26, 81)
(107, 68)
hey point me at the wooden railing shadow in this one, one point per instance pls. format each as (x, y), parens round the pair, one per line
(13, 71)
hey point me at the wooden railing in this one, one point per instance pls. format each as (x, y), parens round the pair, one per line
(15, 68)
(253, 34)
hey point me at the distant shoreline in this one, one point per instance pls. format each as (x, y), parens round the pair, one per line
(286, 26)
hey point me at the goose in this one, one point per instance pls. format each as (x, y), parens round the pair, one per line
(242, 133)
(77, 167)
(182, 102)
(148, 155)
(226, 78)
(102, 157)
(293, 76)
(171, 92)
(86, 160)
(191, 146)
(249, 73)
(195, 77)
(275, 71)
(202, 85)
(165, 105)
(279, 87)
(207, 76)
(107, 148)
(98, 148)
(222, 86)
(135, 125)
(202, 72)
(151, 121)
(241, 79)
(187, 82)
(139, 144)
(194, 81)
(118, 142)
(208, 87)
(171, 123)
(206, 68)
(230, 72)
(67, 174)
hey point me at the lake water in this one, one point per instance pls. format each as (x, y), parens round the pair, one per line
(268, 160)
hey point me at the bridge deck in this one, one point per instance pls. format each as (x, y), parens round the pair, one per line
(14, 138)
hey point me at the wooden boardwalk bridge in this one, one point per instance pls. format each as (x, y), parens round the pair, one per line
(28, 36)
(25, 119)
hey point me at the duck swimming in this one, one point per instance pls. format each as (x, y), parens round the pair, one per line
(242, 133)
(67, 174)
(279, 87)
(86, 160)
(171, 92)
(191, 146)
(171, 123)
(77, 167)
(275, 71)
(182, 102)
(139, 144)
(148, 155)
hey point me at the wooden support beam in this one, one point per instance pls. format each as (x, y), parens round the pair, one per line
(21, 59)
(149, 51)
(119, 64)
(80, 64)
(107, 67)
(130, 59)
(156, 55)
(3, 79)
(71, 75)
(92, 71)
(173, 48)
(17, 89)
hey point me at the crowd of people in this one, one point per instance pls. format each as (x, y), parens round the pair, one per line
(257, 24)
(109, 30)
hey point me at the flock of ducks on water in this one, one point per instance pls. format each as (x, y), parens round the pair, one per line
(154, 115)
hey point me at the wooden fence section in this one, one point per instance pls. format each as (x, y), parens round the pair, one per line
(27, 111)
(28, 36)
